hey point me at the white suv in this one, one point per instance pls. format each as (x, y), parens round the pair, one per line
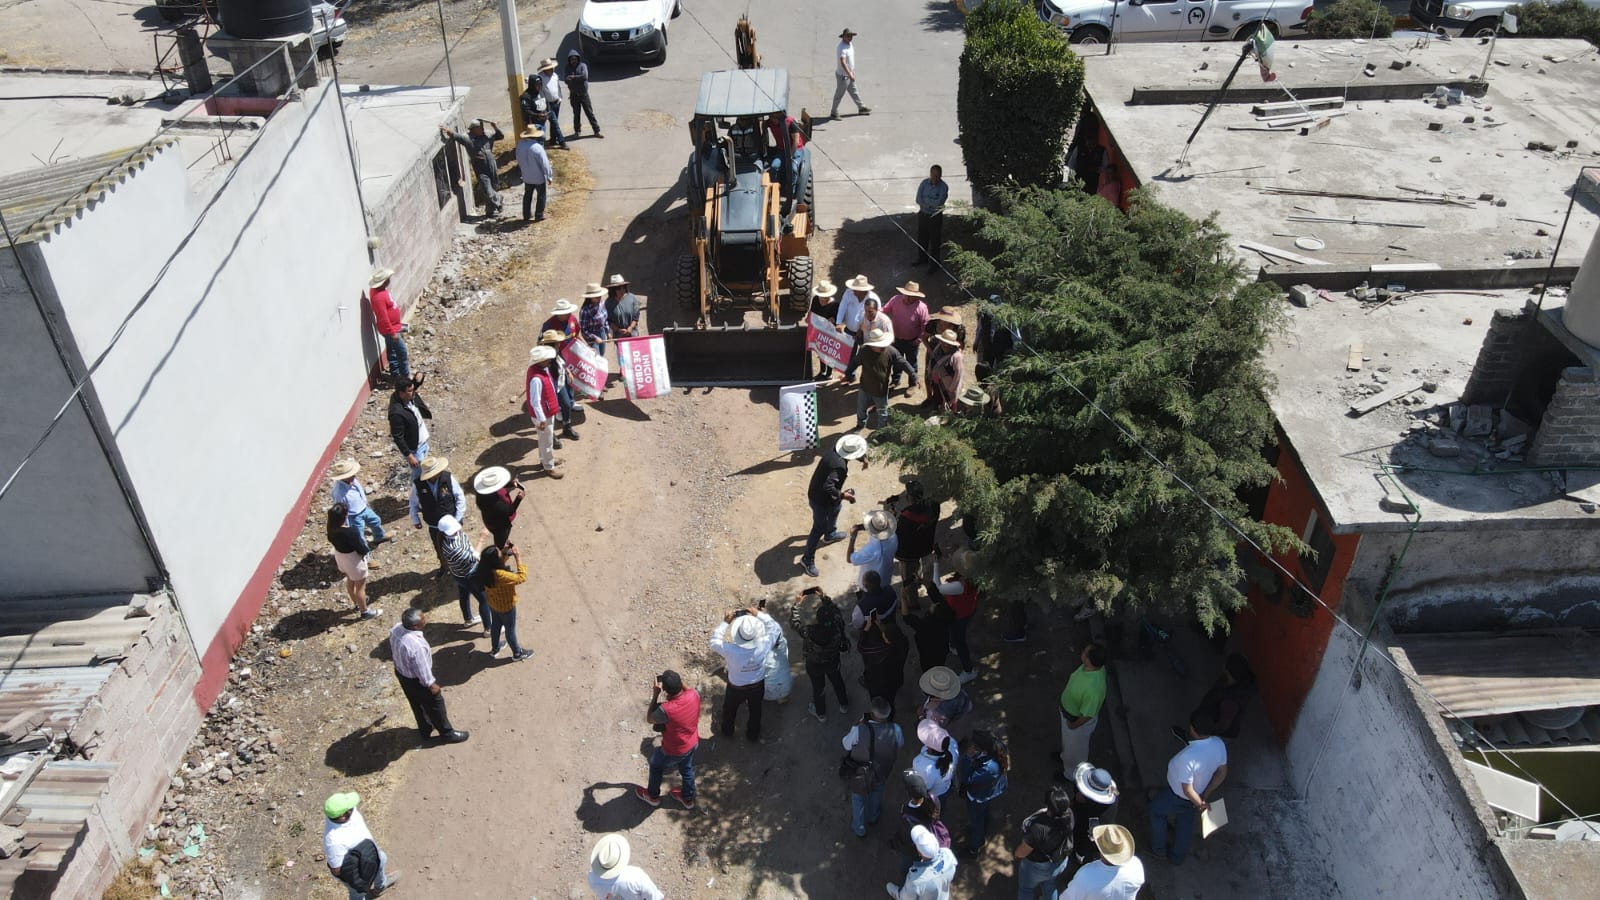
(625, 29)
(1095, 21)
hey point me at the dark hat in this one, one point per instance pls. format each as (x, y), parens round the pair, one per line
(916, 787)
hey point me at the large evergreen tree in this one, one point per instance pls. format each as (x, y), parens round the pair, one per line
(1146, 315)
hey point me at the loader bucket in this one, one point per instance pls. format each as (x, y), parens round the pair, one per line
(735, 356)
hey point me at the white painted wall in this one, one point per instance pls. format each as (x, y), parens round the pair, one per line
(230, 383)
(1384, 805)
(67, 528)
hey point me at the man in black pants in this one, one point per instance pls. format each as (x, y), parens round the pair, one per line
(413, 666)
(744, 640)
(578, 92)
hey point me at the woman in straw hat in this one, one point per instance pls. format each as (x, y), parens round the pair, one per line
(498, 495)
(945, 363)
(558, 376)
(592, 321)
(822, 304)
(563, 319)
(350, 552)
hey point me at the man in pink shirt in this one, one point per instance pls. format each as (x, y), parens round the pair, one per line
(909, 315)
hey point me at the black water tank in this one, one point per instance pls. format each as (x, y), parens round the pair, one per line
(265, 18)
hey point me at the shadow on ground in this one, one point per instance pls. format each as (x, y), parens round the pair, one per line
(369, 749)
(313, 572)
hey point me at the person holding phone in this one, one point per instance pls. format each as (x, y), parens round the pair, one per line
(678, 719)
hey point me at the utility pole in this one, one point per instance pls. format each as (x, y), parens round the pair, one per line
(515, 77)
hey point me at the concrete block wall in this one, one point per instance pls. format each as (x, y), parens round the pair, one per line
(143, 719)
(415, 229)
(1515, 349)
(1384, 801)
(1569, 434)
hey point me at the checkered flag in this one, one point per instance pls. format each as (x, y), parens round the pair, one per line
(797, 417)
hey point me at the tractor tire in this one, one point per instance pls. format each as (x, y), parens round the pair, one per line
(808, 194)
(800, 271)
(689, 282)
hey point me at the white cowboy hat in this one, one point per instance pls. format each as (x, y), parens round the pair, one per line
(490, 480)
(533, 131)
(1115, 843)
(948, 336)
(547, 65)
(541, 353)
(1096, 784)
(563, 307)
(379, 277)
(879, 337)
(344, 470)
(851, 446)
(824, 289)
(593, 291)
(448, 526)
(552, 337)
(616, 281)
(432, 466)
(879, 523)
(941, 682)
(911, 289)
(747, 631)
(859, 283)
(609, 855)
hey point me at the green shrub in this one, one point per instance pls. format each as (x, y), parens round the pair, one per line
(1020, 89)
(1567, 19)
(1350, 19)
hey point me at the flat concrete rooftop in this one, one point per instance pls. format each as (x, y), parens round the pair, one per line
(393, 125)
(1425, 337)
(1376, 147)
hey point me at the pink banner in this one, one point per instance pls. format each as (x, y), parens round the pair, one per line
(644, 367)
(586, 369)
(829, 344)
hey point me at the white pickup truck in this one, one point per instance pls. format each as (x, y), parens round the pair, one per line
(1470, 18)
(1097, 21)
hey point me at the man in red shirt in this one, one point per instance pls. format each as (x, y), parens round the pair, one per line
(542, 405)
(387, 317)
(679, 720)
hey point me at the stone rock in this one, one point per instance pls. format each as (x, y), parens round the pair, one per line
(1395, 503)
(1444, 447)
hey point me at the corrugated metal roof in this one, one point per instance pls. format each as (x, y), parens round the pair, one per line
(66, 631)
(1488, 674)
(1513, 732)
(743, 92)
(61, 693)
(58, 804)
(36, 201)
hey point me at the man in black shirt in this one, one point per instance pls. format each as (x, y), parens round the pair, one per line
(827, 493)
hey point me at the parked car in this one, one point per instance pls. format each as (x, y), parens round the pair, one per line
(1095, 21)
(1474, 18)
(328, 27)
(625, 29)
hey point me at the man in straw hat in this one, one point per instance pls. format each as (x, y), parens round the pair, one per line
(824, 305)
(622, 311)
(946, 368)
(592, 322)
(413, 668)
(537, 176)
(908, 317)
(479, 144)
(848, 316)
(498, 495)
(928, 879)
(386, 317)
(563, 319)
(558, 374)
(550, 91)
(972, 401)
(877, 555)
(744, 639)
(610, 876)
(406, 425)
(434, 495)
(350, 851)
(1116, 875)
(347, 489)
(542, 405)
(1094, 801)
(827, 493)
(946, 704)
(844, 74)
(872, 319)
(877, 359)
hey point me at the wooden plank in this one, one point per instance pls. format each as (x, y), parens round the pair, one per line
(21, 725)
(1353, 361)
(1368, 404)
(1268, 250)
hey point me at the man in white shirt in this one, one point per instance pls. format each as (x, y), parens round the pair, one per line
(1116, 875)
(844, 74)
(610, 876)
(351, 853)
(851, 316)
(744, 640)
(1193, 775)
(877, 555)
(550, 89)
(413, 667)
(537, 176)
(929, 879)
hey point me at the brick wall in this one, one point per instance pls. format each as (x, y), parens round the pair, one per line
(143, 719)
(415, 227)
(1516, 365)
(1569, 434)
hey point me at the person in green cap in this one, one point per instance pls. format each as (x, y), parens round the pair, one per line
(353, 856)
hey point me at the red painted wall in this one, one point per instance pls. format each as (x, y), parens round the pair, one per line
(1284, 648)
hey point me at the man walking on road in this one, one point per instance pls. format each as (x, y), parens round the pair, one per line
(350, 851)
(827, 493)
(844, 74)
(744, 640)
(480, 148)
(931, 196)
(543, 406)
(413, 667)
(1081, 700)
(406, 425)
(873, 745)
(537, 176)
(1193, 775)
(678, 717)
(577, 76)
(610, 876)
(550, 90)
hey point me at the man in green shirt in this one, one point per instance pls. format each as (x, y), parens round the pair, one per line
(1080, 708)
